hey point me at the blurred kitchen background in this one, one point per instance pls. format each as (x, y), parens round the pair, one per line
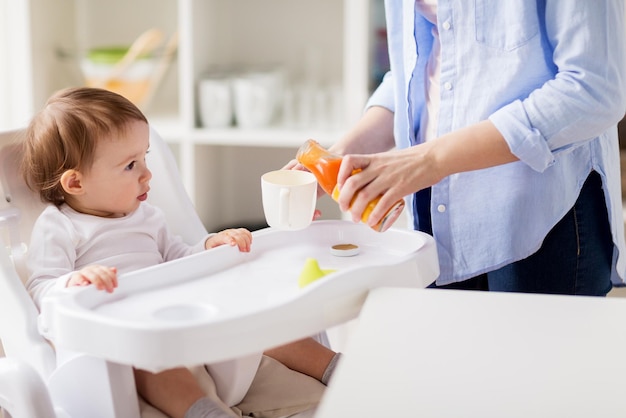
(234, 86)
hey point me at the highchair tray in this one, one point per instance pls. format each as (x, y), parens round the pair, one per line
(223, 304)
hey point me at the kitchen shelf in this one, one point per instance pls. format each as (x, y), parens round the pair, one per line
(175, 131)
(323, 44)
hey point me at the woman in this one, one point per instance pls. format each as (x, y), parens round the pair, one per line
(503, 115)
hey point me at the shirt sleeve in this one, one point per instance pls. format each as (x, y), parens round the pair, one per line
(176, 248)
(171, 245)
(587, 93)
(51, 255)
(384, 94)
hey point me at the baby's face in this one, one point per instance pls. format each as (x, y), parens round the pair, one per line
(119, 179)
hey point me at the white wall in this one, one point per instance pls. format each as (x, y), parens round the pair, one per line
(16, 104)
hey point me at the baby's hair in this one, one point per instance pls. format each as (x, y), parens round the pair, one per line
(64, 134)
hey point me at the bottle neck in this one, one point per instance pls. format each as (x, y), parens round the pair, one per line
(322, 163)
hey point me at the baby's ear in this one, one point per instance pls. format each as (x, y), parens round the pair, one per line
(71, 182)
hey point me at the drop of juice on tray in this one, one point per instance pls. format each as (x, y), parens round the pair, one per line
(325, 166)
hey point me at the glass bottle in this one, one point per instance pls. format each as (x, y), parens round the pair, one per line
(325, 166)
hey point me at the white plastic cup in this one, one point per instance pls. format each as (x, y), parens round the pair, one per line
(289, 198)
(216, 102)
(257, 96)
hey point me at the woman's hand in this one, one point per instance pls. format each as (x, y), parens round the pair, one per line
(294, 165)
(102, 277)
(240, 237)
(391, 175)
(398, 173)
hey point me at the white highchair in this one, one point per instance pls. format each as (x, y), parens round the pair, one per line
(39, 381)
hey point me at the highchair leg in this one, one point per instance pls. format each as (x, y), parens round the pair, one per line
(23, 393)
(86, 386)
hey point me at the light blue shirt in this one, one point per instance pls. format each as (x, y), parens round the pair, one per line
(550, 76)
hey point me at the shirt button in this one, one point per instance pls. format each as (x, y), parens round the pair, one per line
(446, 25)
(441, 208)
(447, 85)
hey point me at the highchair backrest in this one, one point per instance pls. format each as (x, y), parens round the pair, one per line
(168, 192)
(20, 207)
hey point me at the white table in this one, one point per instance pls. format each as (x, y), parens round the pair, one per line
(451, 353)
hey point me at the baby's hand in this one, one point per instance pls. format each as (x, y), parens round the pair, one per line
(104, 278)
(240, 237)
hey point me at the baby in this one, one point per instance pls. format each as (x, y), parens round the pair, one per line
(85, 154)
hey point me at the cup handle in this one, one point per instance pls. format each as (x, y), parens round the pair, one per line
(283, 209)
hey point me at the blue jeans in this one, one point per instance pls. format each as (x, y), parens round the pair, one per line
(574, 259)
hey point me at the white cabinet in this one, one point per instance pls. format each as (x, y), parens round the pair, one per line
(324, 43)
